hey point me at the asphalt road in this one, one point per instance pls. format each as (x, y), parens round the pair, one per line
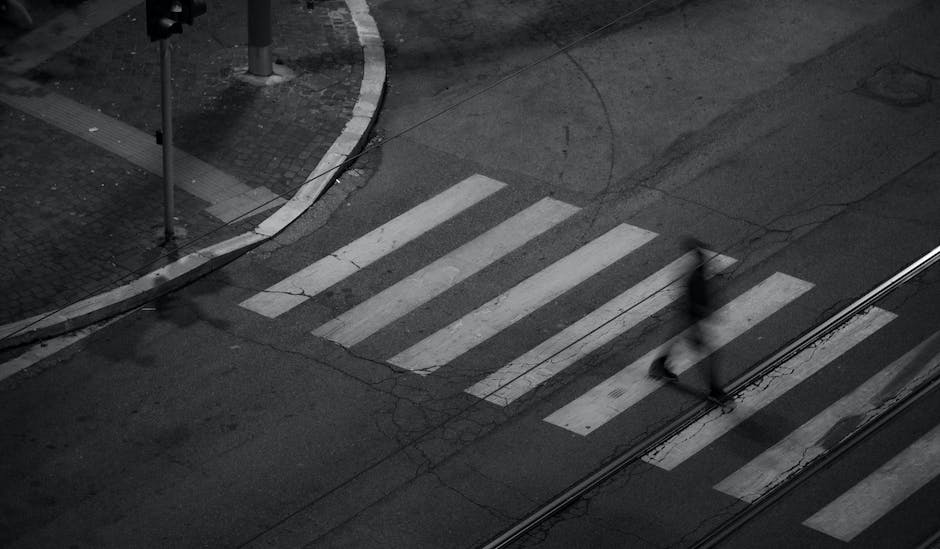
(672, 497)
(198, 422)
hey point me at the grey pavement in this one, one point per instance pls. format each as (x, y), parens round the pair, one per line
(195, 422)
(748, 124)
(81, 200)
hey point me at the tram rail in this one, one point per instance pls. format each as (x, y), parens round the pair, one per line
(932, 542)
(806, 340)
(734, 522)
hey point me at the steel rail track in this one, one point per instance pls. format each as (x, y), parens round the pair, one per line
(725, 529)
(807, 339)
(933, 542)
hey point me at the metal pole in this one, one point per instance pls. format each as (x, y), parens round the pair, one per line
(259, 37)
(166, 100)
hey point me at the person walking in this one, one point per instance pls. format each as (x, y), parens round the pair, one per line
(698, 308)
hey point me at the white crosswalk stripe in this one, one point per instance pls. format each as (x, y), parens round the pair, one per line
(398, 300)
(813, 438)
(844, 518)
(771, 386)
(499, 313)
(585, 336)
(613, 396)
(854, 511)
(590, 332)
(326, 272)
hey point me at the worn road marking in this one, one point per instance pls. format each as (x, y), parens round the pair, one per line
(815, 437)
(869, 500)
(476, 327)
(408, 294)
(770, 387)
(308, 282)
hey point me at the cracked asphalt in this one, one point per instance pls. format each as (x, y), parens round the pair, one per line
(193, 422)
(640, 504)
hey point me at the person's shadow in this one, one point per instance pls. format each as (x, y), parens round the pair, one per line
(182, 308)
(179, 307)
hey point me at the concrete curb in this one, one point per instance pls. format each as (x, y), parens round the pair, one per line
(196, 264)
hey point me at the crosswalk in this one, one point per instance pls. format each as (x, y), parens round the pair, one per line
(816, 436)
(502, 311)
(307, 283)
(427, 283)
(788, 375)
(617, 394)
(590, 333)
(884, 489)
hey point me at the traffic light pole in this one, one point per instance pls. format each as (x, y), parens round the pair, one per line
(259, 37)
(166, 100)
(164, 19)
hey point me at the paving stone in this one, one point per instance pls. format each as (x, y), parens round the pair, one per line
(77, 220)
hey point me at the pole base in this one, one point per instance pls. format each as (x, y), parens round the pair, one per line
(281, 74)
(161, 234)
(259, 61)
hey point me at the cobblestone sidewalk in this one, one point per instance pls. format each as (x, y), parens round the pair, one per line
(77, 220)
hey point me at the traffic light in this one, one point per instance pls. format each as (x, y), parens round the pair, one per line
(166, 17)
(163, 18)
(191, 10)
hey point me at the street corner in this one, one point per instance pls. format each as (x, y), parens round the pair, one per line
(75, 220)
(92, 180)
(269, 136)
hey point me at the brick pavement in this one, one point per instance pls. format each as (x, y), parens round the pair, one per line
(76, 220)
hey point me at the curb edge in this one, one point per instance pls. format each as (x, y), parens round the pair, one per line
(199, 263)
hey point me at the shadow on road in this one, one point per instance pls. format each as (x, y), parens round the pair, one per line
(520, 24)
(179, 310)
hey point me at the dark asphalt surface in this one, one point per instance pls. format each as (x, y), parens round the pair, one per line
(195, 422)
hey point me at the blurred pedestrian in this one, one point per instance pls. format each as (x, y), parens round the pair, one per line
(698, 308)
